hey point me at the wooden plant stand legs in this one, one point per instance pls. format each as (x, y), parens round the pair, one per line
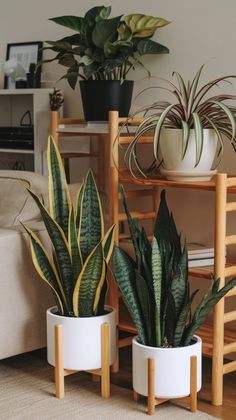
(103, 372)
(153, 401)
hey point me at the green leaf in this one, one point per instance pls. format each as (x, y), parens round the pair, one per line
(192, 92)
(230, 116)
(105, 32)
(78, 205)
(89, 284)
(179, 282)
(185, 137)
(145, 303)
(93, 13)
(157, 282)
(91, 228)
(157, 133)
(198, 131)
(144, 26)
(124, 32)
(76, 258)
(59, 196)
(182, 320)
(147, 46)
(73, 22)
(46, 269)
(61, 249)
(108, 243)
(124, 272)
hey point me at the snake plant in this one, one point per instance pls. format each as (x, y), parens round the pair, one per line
(76, 271)
(155, 287)
(192, 108)
(103, 48)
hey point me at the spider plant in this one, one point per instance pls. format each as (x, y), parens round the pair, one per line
(76, 271)
(193, 109)
(155, 286)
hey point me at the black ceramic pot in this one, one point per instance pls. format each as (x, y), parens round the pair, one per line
(101, 96)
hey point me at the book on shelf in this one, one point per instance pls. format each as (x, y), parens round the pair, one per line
(202, 262)
(199, 250)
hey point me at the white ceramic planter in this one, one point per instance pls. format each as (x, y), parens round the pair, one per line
(176, 168)
(172, 369)
(81, 339)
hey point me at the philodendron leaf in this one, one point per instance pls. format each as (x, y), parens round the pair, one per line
(105, 32)
(143, 26)
(73, 22)
(61, 247)
(91, 228)
(148, 46)
(89, 284)
(124, 273)
(59, 197)
(46, 269)
(76, 257)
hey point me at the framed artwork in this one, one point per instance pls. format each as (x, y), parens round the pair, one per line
(25, 53)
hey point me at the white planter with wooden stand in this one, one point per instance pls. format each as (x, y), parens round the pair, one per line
(167, 373)
(176, 168)
(81, 344)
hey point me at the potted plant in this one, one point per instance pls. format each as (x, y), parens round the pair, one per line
(155, 289)
(76, 271)
(188, 133)
(101, 52)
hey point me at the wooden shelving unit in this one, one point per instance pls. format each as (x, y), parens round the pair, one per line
(218, 340)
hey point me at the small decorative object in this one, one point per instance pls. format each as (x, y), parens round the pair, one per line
(33, 76)
(188, 133)
(15, 73)
(25, 54)
(155, 289)
(81, 331)
(56, 99)
(101, 52)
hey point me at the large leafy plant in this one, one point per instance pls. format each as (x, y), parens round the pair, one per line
(76, 272)
(104, 48)
(192, 108)
(155, 285)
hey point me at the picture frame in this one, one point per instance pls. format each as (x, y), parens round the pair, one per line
(25, 53)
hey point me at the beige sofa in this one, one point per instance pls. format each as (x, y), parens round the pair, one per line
(23, 296)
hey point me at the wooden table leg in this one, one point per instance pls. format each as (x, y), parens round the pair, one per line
(151, 386)
(59, 371)
(105, 370)
(193, 383)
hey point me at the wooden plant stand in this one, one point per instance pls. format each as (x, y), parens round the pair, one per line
(103, 372)
(153, 401)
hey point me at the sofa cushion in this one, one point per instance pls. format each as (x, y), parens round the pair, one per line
(16, 205)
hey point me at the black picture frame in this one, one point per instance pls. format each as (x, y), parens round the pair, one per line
(26, 53)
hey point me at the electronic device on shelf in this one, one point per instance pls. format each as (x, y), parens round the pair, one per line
(21, 137)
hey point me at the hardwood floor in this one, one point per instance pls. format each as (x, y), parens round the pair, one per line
(225, 412)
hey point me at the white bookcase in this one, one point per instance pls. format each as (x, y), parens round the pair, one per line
(13, 104)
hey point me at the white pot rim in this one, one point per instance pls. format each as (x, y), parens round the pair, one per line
(51, 312)
(195, 337)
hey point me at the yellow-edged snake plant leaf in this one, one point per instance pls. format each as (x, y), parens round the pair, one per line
(78, 205)
(108, 243)
(61, 247)
(91, 228)
(76, 257)
(59, 197)
(46, 269)
(89, 284)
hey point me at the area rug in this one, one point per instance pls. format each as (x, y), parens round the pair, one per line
(27, 393)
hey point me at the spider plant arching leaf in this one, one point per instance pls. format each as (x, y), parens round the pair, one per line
(58, 191)
(185, 137)
(219, 136)
(156, 138)
(89, 281)
(229, 115)
(91, 229)
(75, 253)
(46, 269)
(192, 92)
(182, 89)
(198, 136)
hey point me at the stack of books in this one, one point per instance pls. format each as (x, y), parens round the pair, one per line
(200, 255)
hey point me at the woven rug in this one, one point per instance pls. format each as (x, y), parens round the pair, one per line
(27, 393)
